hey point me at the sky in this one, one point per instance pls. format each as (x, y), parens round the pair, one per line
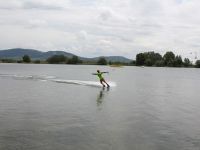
(92, 28)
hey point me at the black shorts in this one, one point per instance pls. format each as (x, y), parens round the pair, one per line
(102, 80)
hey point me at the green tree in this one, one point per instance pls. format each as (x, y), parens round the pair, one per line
(178, 62)
(153, 57)
(19, 61)
(56, 59)
(147, 58)
(140, 59)
(26, 59)
(197, 64)
(133, 62)
(187, 62)
(110, 62)
(74, 60)
(102, 61)
(148, 62)
(37, 61)
(159, 63)
(169, 59)
(7, 60)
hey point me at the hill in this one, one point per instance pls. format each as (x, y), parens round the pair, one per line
(113, 59)
(18, 53)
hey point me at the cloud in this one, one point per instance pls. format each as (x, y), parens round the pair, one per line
(82, 35)
(105, 42)
(43, 4)
(33, 4)
(10, 4)
(34, 23)
(106, 14)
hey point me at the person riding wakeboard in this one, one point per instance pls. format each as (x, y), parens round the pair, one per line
(102, 80)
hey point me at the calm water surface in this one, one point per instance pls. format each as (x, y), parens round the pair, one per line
(149, 109)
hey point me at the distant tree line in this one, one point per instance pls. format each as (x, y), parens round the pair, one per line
(169, 59)
(61, 59)
(25, 59)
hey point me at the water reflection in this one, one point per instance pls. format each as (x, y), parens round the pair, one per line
(101, 95)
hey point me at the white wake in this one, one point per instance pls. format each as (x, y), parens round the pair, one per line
(55, 79)
(86, 83)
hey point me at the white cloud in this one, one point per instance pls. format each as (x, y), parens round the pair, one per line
(10, 4)
(82, 35)
(44, 4)
(101, 27)
(105, 42)
(33, 4)
(34, 23)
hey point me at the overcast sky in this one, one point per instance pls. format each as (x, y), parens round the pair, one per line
(102, 27)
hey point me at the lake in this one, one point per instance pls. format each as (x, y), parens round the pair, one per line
(145, 109)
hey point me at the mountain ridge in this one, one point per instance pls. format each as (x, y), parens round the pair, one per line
(18, 53)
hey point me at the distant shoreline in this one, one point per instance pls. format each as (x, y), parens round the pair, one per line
(114, 66)
(149, 59)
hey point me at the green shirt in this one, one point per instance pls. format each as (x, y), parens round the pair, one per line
(100, 75)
